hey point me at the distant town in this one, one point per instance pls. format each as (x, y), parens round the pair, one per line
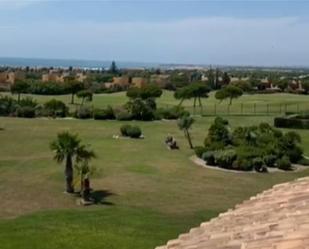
(170, 76)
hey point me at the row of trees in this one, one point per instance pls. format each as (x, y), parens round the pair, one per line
(70, 86)
(198, 91)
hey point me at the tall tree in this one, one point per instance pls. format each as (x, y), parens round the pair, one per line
(73, 86)
(184, 124)
(85, 95)
(226, 79)
(217, 81)
(211, 78)
(281, 83)
(113, 68)
(195, 90)
(18, 88)
(229, 92)
(66, 148)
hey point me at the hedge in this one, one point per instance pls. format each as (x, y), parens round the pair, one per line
(296, 122)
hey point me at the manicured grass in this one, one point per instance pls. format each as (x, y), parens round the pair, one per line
(151, 194)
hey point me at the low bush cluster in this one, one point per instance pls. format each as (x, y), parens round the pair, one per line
(250, 148)
(130, 131)
(135, 109)
(29, 108)
(170, 113)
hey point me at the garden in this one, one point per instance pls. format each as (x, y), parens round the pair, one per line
(246, 148)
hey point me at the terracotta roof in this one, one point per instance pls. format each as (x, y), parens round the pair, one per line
(278, 218)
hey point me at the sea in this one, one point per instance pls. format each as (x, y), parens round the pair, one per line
(65, 63)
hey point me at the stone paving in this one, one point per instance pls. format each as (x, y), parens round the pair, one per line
(277, 218)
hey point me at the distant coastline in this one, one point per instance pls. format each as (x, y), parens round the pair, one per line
(99, 64)
(65, 63)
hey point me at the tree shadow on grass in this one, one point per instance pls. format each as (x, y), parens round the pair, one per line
(99, 196)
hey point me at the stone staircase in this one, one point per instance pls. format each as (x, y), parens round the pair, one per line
(278, 218)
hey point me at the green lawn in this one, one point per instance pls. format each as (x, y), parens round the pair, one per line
(247, 104)
(151, 193)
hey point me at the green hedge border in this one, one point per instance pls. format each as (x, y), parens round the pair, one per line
(292, 121)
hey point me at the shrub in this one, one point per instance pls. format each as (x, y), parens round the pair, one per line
(124, 130)
(140, 110)
(123, 115)
(218, 133)
(171, 113)
(258, 164)
(209, 158)
(304, 161)
(199, 151)
(291, 122)
(225, 158)
(284, 163)
(134, 132)
(28, 101)
(130, 131)
(295, 154)
(8, 105)
(55, 108)
(243, 164)
(25, 112)
(270, 160)
(103, 114)
(84, 113)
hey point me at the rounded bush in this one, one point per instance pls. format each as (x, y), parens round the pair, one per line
(258, 164)
(103, 114)
(225, 158)
(124, 130)
(270, 160)
(26, 112)
(134, 132)
(54, 108)
(243, 164)
(84, 113)
(209, 158)
(199, 151)
(295, 154)
(284, 163)
(123, 115)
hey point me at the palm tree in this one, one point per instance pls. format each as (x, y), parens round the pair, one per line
(83, 157)
(185, 123)
(66, 147)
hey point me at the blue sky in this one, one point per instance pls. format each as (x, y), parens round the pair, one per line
(201, 32)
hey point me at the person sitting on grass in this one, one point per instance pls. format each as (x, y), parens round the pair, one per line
(171, 142)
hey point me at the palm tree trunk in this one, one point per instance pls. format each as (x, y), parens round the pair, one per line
(69, 175)
(187, 134)
(194, 103)
(231, 99)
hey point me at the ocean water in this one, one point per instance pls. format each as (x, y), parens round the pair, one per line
(34, 62)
